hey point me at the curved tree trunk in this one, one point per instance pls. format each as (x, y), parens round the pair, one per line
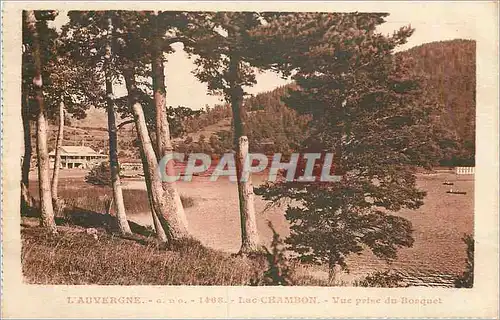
(160, 232)
(173, 229)
(121, 215)
(164, 145)
(249, 234)
(57, 163)
(46, 209)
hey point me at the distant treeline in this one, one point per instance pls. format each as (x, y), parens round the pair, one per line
(448, 74)
(448, 71)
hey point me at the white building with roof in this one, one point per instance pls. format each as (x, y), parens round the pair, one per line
(77, 157)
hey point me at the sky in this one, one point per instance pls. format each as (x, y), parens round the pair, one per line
(183, 89)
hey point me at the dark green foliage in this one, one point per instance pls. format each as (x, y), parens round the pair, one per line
(466, 280)
(65, 77)
(128, 48)
(223, 41)
(278, 271)
(187, 202)
(272, 126)
(448, 72)
(225, 141)
(230, 48)
(365, 109)
(100, 175)
(382, 279)
(207, 117)
(177, 118)
(46, 15)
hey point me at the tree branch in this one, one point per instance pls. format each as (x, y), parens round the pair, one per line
(182, 39)
(124, 123)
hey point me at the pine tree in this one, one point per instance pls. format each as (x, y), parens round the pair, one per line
(72, 88)
(131, 48)
(362, 100)
(121, 215)
(95, 37)
(160, 23)
(31, 34)
(58, 206)
(224, 48)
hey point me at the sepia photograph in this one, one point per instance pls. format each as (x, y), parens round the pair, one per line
(247, 148)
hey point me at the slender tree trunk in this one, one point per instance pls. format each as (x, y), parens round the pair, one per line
(121, 215)
(334, 273)
(46, 209)
(173, 230)
(175, 208)
(114, 166)
(26, 200)
(249, 234)
(57, 162)
(160, 232)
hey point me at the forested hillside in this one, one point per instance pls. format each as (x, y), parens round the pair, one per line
(270, 125)
(449, 72)
(447, 69)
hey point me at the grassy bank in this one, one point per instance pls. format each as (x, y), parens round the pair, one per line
(75, 257)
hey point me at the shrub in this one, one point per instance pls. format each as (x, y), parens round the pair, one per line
(466, 280)
(99, 175)
(381, 279)
(187, 202)
(278, 271)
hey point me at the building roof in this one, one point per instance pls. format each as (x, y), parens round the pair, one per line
(77, 151)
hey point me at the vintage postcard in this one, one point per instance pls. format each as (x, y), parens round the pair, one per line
(250, 159)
